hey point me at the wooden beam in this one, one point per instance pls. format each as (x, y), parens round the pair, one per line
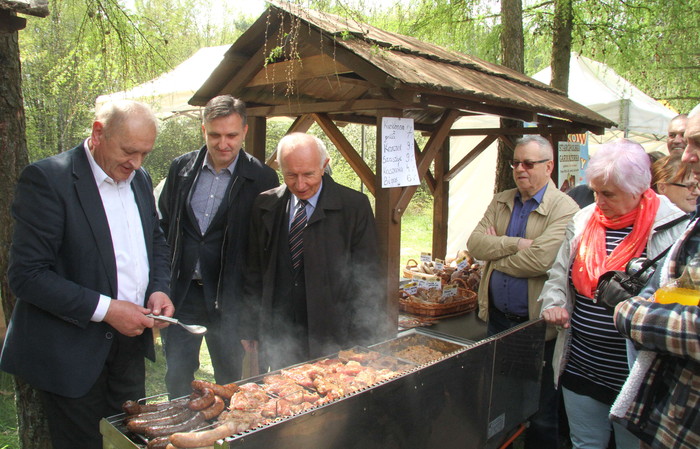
(388, 228)
(515, 131)
(37, 8)
(359, 65)
(246, 72)
(431, 148)
(301, 125)
(321, 107)
(477, 106)
(565, 124)
(298, 69)
(466, 160)
(370, 120)
(441, 202)
(255, 139)
(429, 178)
(347, 150)
(508, 140)
(10, 23)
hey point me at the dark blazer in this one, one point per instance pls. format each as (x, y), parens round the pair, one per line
(61, 260)
(223, 270)
(345, 294)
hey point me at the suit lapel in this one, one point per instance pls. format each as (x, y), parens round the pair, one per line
(91, 203)
(328, 199)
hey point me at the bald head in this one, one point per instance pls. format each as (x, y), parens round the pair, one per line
(123, 134)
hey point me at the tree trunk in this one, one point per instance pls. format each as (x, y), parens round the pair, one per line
(561, 44)
(33, 432)
(513, 56)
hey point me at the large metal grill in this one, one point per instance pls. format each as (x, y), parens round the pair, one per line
(474, 396)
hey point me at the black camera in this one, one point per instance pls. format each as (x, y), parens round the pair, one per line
(636, 264)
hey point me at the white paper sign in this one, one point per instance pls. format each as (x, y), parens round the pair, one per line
(398, 156)
(569, 158)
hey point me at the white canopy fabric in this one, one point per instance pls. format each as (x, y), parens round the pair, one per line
(169, 93)
(598, 87)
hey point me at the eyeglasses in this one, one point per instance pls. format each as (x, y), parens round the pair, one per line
(691, 187)
(529, 165)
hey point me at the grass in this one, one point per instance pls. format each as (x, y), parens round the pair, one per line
(8, 415)
(416, 233)
(416, 236)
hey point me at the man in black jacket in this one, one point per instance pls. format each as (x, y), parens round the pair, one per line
(88, 263)
(205, 204)
(314, 281)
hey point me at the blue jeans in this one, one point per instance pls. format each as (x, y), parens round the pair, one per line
(590, 426)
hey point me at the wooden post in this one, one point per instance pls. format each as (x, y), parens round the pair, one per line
(256, 139)
(554, 140)
(441, 201)
(388, 229)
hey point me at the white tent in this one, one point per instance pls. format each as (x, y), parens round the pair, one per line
(169, 93)
(597, 86)
(592, 84)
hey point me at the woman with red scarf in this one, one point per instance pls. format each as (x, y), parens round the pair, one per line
(627, 220)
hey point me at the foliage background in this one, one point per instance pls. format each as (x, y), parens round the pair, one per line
(86, 48)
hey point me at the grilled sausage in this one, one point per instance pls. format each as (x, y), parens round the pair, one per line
(158, 443)
(203, 438)
(150, 416)
(225, 391)
(213, 410)
(142, 425)
(134, 408)
(194, 421)
(200, 403)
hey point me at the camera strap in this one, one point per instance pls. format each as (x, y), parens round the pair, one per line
(663, 227)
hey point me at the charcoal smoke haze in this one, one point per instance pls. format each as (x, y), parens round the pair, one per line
(364, 321)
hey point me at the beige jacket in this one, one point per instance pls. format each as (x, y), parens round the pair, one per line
(545, 226)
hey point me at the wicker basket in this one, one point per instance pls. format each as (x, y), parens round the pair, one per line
(467, 303)
(411, 274)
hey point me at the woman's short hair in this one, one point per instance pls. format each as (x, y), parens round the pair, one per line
(668, 169)
(623, 163)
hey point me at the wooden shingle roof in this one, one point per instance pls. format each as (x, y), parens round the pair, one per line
(293, 61)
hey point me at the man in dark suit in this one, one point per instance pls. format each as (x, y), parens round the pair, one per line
(205, 203)
(324, 292)
(88, 262)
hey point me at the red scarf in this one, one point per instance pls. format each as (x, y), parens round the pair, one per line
(591, 260)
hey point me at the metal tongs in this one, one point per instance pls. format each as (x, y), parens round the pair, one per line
(192, 328)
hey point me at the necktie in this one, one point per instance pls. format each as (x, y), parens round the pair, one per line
(296, 231)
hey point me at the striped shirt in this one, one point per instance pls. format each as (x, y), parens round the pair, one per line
(597, 364)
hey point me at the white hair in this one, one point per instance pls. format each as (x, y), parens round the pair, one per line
(294, 139)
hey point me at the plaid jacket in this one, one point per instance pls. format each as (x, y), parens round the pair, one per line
(665, 409)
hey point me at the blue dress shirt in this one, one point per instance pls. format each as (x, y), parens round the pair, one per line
(509, 293)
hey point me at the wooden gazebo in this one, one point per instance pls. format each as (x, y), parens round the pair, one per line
(320, 68)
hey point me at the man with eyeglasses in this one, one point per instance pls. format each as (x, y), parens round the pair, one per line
(518, 239)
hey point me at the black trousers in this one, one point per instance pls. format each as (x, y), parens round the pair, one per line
(182, 348)
(74, 423)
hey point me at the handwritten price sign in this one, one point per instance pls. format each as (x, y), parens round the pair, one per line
(398, 156)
